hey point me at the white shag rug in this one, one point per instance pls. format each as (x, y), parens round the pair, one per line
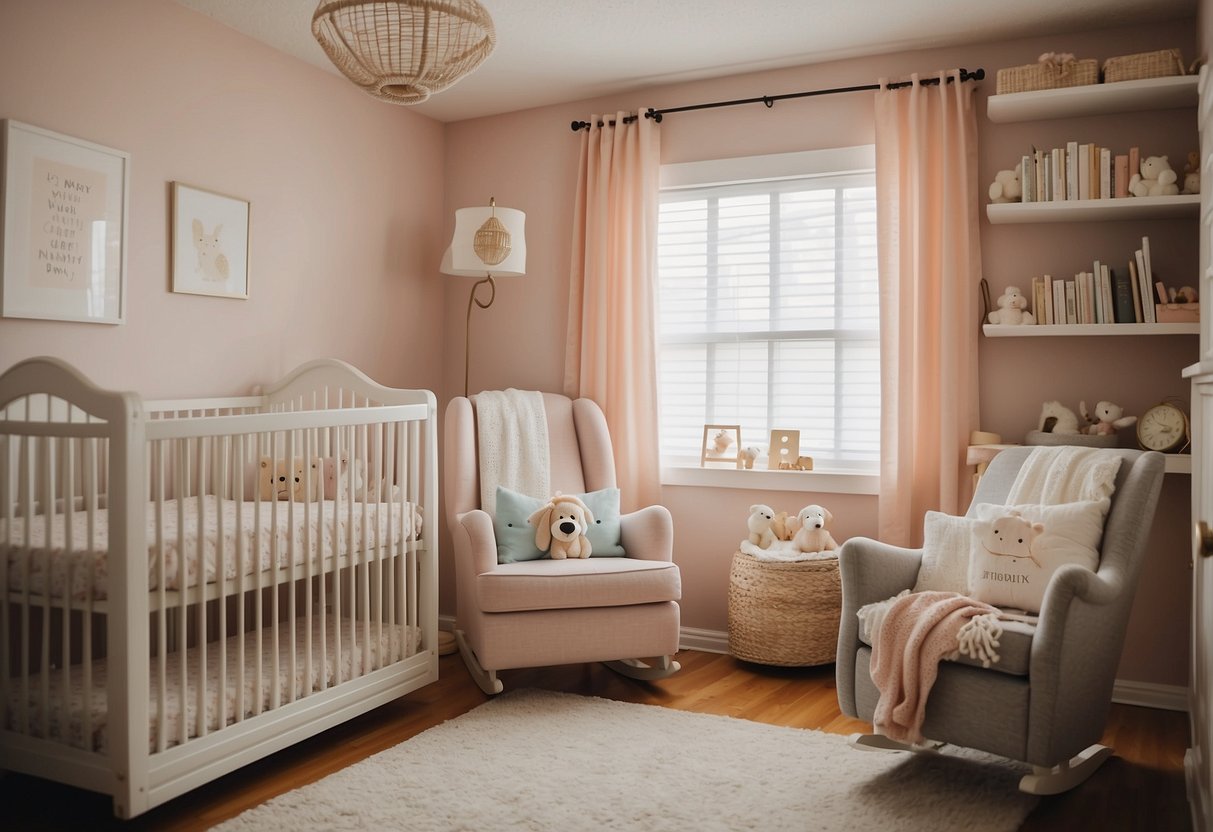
(536, 760)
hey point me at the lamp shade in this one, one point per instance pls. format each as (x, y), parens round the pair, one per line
(461, 256)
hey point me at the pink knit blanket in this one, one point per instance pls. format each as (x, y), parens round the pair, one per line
(919, 630)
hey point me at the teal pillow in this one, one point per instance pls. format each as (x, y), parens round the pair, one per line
(516, 537)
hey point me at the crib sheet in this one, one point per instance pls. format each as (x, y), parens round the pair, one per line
(395, 643)
(265, 532)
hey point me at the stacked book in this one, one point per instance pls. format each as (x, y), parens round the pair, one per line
(1076, 171)
(1101, 296)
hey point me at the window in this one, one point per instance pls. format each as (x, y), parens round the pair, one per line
(769, 312)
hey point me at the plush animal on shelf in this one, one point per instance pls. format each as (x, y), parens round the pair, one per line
(721, 442)
(1184, 294)
(1006, 186)
(1156, 178)
(275, 481)
(759, 525)
(1107, 420)
(746, 457)
(560, 527)
(1192, 174)
(1012, 308)
(1055, 417)
(813, 535)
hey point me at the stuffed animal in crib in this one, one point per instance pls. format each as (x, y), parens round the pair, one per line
(342, 478)
(212, 262)
(560, 527)
(275, 481)
(1012, 308)
(813, 535)
(1156, 178)
(1006, 186)
(1055, 417)
(759, 525)
(1107, 420)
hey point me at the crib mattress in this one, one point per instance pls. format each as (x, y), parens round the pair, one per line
(264, 532)
(66, 722)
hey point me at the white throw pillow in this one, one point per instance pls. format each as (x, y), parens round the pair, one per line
(1016, 549)
(946, 543)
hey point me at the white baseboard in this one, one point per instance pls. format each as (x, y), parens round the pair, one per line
(1150, 695)
(1124, 691)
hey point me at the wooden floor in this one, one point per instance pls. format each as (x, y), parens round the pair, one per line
(1141, 788)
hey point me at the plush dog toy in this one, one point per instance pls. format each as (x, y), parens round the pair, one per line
(560, 526)
(813, 536)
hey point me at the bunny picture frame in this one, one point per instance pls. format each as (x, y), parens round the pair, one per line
(210, 243)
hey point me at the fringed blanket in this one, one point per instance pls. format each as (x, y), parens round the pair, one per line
(512, 431)
(918, 632)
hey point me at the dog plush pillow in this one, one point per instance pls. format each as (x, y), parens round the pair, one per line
(1016, 549)
(516, 537)
(560, 527)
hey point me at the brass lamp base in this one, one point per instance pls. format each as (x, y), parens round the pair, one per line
(467, 327)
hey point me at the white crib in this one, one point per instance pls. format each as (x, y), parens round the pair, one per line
(163, 622)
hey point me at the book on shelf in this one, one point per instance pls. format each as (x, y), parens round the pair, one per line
(1071, 303)
(1084, 172)
(1134, 165)
(1120, 177)
(1050, 315)
(1059, 302)
(1071, 170)
(1105, 173)
(1095, 290)
(1161, 291)
(1134, 288)
(1105, 285)
(1088, 283)
(1122, 292)
(1056, 165)
(1027, 179)
(1147, 284)
(1038, 299)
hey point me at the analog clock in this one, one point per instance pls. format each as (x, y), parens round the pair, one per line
(1164, 427)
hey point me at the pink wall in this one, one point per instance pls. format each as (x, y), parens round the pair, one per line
(344, 193)
(528, 160)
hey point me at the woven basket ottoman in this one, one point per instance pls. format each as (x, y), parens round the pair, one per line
(784, 613)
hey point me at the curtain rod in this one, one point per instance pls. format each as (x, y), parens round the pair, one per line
(769, 100)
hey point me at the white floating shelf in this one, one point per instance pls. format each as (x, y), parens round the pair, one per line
(1178, 464)
(1094, 99)
(1046, 330)
(1094, 210)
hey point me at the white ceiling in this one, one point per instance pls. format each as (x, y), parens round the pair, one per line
(551, 51)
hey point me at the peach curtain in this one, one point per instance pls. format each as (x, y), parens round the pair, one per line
(930, 264)
(611, 352)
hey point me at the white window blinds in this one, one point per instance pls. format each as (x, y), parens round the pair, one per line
(769, 316)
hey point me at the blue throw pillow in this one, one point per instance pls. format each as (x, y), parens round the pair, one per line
(516, 537)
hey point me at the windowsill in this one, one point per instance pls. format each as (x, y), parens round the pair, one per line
(755, 479)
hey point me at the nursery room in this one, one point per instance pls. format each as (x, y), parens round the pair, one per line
(786, 416)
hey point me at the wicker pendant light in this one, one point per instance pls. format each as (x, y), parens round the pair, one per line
(492, 240)
(407, 50)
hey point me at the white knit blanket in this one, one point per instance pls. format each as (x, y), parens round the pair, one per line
(783, 551)
(1065, 474)
(512, 430)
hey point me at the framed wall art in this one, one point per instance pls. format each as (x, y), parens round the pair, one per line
(210, 243)
(64, 223)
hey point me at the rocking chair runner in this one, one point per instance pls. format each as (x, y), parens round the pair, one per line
(621, 611)
(1046, 702)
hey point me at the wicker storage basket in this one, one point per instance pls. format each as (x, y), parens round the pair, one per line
(1158, 64)
(784, 613)
(1046, 75)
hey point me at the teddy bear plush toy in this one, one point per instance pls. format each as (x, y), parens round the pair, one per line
(759, 525)
(1012, 308)
(1006, 186)
(1107, 420)
(1156, 178)
(813, 535)
(1192, 174)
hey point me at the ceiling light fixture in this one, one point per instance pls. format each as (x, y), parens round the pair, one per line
(404, 51)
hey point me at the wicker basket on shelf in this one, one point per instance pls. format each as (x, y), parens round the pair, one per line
(784, 613)
(1048, 74)
(1160, 64)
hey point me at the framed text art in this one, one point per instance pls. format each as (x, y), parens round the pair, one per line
(64, 227)
(210, 242)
